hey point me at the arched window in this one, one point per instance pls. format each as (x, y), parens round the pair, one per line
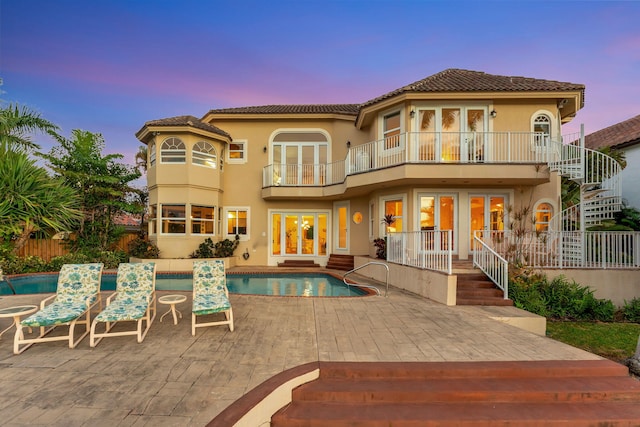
(544, 213)
(204, 154)
(542, 129)
(173, 150)
(152, 154)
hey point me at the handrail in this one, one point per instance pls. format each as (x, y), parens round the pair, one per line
(344, 278)
(6, 279)
(492, 264)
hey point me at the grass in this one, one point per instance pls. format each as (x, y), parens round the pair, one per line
(615, 341)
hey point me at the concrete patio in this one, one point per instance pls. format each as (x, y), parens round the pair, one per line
(175, 379)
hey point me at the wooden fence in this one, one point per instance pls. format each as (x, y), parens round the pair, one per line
(50, 248)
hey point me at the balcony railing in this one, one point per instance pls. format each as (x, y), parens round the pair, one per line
(419, 147)
(567, 249)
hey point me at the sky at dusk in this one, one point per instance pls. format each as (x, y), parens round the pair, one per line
(109, 66)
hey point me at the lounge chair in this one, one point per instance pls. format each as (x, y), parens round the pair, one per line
(78, 291)
(133, 301)
(210, 294)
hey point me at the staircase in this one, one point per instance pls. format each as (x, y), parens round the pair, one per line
(340, 262)
(298, 263)
(477, 289)
(470, 394)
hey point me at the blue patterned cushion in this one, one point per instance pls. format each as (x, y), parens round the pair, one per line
(209, 287)
(78, 287)
(56, 313)
(135, 285)
(124, 308)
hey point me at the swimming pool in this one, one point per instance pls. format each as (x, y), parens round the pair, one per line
(290, 284)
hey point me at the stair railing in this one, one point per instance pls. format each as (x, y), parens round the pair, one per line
(491, 263)
(344, 278)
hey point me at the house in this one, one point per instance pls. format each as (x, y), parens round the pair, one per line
(460, 150)
(624, 136)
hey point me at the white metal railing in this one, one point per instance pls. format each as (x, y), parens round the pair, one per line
(419, 147)
(567, 249)
(491, 263)
(430, 250)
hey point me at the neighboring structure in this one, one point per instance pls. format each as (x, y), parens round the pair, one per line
(624, 136)
(460, 150)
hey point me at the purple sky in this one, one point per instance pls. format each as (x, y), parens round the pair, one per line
(108, 66)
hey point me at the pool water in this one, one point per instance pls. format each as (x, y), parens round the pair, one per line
(317, 285)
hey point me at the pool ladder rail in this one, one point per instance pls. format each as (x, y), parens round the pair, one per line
(344, 278)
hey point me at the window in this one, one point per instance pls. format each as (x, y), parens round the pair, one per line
(237, 223)
(237, 152)
(153, 223)
(391, 214)
(544, 212)
(391, 130)
(202, 219)
(542, 128)
(152, 154)
(299, 157)
(173, 151)
(173, 219)
(204, 154)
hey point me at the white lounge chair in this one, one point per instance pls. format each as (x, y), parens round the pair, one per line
(133, 301)
(78, 291)
(210, 294)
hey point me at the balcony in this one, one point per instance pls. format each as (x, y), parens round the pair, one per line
(379, 160)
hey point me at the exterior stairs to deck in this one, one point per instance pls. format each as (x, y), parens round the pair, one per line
(475, 288)
(471, 394)
(340, 262)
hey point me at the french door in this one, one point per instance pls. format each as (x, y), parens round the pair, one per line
(487, 214)
(438, 212)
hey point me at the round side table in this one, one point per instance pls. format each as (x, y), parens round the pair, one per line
(172, 300)
(16, 312)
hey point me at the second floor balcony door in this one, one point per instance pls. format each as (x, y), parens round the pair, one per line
(300, 164)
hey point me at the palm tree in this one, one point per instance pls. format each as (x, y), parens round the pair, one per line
(141, 159)
(16, 126)
(32, 200)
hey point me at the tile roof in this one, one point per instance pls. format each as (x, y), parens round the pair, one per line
(457, 80)
(187, 121)
(350, 109)
(619, 135)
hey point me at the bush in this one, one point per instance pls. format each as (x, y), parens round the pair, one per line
(71, 258)
(141, 248)
(221, 249)
(631, 310)
(558, 299)
(13, 264)
(381, 247)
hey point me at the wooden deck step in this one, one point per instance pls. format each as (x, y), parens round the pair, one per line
(295, 263)
(549, 393)
(475, 288)
(340, 262)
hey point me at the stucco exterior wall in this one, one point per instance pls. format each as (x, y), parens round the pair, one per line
(615, 285)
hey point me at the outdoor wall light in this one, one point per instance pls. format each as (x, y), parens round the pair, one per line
(264, 149)
(493, 113)
(412, 113)
(348, 144)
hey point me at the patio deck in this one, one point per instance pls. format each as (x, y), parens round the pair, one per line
(174, 379)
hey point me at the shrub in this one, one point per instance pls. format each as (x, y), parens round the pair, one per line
(71, 258)
(221, 249)
(141, 248)
(381, 247)
(631, 310)
(13, 264)
(558, 299)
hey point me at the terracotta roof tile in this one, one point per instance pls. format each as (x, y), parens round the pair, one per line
(619, 135)
(350, 109)
(457, 80)
(187, 121)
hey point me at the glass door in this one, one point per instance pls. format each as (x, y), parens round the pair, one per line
(438, 213)
(451, 128)
(295, 233)
(487, 215)
(475, 135)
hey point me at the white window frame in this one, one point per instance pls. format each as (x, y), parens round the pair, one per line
(204, 154)
(383, 199)
(152, 154)
(153, 220)
(243, 237)
(537, 209)
(176, 149)
(384, 132)
(244, 152)
(336, 231)
(176, 219)
(203, 221)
